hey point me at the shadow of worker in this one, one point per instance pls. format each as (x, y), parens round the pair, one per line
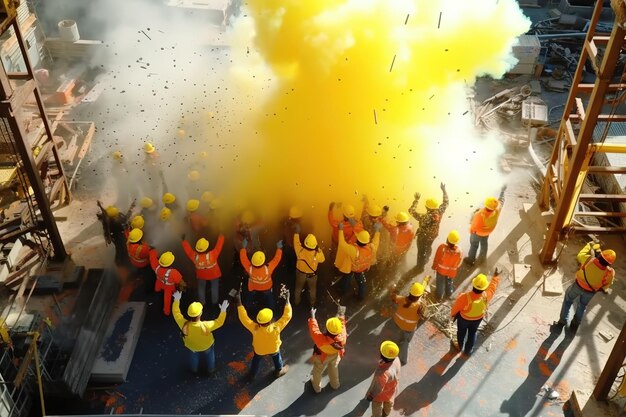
(424, 392)
(540, 369)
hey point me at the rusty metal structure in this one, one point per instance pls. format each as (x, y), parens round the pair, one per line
(29, 158)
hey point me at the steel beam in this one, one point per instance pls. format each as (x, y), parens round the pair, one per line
(611, 368)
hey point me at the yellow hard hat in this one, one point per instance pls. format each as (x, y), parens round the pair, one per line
(146, 202)
(454, 237)
(207, 197)
(192, 205)
(480, 282)
(295, 212)
(310, 241)
(135, 235)
(491, 203)
(169, 198)
(194, 310)
(117, 155)
(193, 175)
(112, 211)
(348, 210)
(363, 237)
(165, 214)
(202, 244)
(264, 316)
(402, 217)
(609, 255)
(148, 147)
(334, 325)
(137, 222)
(389, 349)
(432, 204)
(417, 289)
(166, 259)
(374, 210)
(247, 217)
(258, 258)
(215, 204)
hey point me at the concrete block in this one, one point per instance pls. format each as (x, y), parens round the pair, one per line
(120, 340)
(553, 284)
(520, 271)
(584, 405)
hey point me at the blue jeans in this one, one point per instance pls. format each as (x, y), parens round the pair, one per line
(256, 361)
(267, 296)
(467, 328)
(476, 241)
(574, 292)
(445, 285)
(361, 282)
(209, 356)
(215, 290)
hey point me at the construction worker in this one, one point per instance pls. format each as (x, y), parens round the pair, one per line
(169, 200)
(408, 314)
(260, 274)
(139, 256)
(198, 334)
(370, 215)
(197, 222)
(384, 387)
(350, 224)
(265, 336)
(328, 349)
(428, 225)
(469, 309)
(149, 212)
(308, 258)
(354, 260)
(137, 222)
(401, 234)
(167, 278)
(207, 268)
(595, 274)
(290, 225)
(483, 223)
(448, 257)
(114, 229)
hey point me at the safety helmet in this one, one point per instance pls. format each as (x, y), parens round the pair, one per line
(117, 155)
(215, 204)
(192, 205)
(389, 349)
(432, 204)
(202, 244)
(334, 325)
(135, 235)
(166, 259)
(264, 316)
(165, 214)
(348, 211)
(310, 242)
(258, 258)
(491, 203)
(402, 217)
(480, 282)
(146, 202)
(363, 237)
(454, 237)
(247, 217)
(417, 289)
(169, 198)
(207, 197)
(149, 148)
(194, 310)
(137, 222)
(295, 212)
(112, 211)
(193, 175)
(608, 255)
(374, 210)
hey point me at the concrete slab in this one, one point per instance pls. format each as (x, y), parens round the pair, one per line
(520, 271)
(116, 355)
(553, 284)
(584, 405)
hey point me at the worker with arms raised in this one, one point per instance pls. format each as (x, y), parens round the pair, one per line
(328, 349)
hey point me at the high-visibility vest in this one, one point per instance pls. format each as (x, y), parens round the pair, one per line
(364, 258)
(475, 309)
(203, 261)
(407, 317)
(449, 261)
(403, 239)
(164, 278)
(260, 278)
(596, 276)
(135, 255)
(484, 221)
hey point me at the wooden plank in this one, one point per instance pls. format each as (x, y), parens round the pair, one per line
(602, 118)
(600, 213)
(607, 197)
(580, 109)
(87, 142)
(588, 88)
(598, 229)
(606, 170)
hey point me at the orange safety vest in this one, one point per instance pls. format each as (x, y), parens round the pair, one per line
(484, 222)
(448, 262)
(135, 256)
(260, 279)
(164, 278)
(203, 261)
(407, 317)
(364, 258)
(475, 309)
(594, 275)
(403, 239)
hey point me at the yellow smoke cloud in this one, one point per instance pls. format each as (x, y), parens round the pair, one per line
(367, 97)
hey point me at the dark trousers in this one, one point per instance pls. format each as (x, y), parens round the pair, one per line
(424, 249)
(267, 300)
(256, 361)
(361, 282)
(467, 328)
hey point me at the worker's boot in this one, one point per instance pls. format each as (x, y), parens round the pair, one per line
(469, 261)
(282, 371)
(573, 326)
